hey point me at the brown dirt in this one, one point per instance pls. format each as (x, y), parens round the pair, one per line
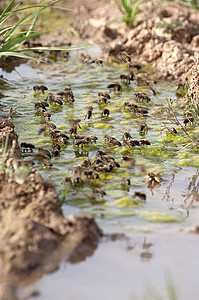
(165, 34)
(34, 234)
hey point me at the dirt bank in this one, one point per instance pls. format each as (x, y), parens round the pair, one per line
(34, 234)
(164, 34)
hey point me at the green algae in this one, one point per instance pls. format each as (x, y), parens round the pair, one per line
(160, 216)
(164, 152)
(126, 202)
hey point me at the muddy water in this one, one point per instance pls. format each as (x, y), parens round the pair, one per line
(155, 243)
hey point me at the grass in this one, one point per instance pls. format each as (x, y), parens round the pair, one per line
(129, 10)
(13, 36)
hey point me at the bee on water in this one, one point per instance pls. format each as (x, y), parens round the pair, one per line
(44, 152)
(73, 125)
(99, 61)
(53, 100)
(46, 163)
(67, 95)
(116, 86)
(89, 113)
(153, 179)
(126, 78)
(126, 182)
(143, 128)
(98, 194)
(104, 94)
(141, 96)
(27, 146)
(140, 195)
(126, 135)
(40, 88)
(105, 112)
(169, 129)
(125, 57)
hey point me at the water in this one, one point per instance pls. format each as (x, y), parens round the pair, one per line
(158, 243)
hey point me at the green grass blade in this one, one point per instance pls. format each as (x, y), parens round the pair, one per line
(58, 48)
(119, 7)
(26, 19)
(16, 54)
(18, 40)
(7, 8)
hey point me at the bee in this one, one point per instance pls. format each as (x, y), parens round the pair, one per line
(95, 175)
(115, 143)
(125, 57)
(141, 96)
(140, 195)
(45, 114)
(62, 138)
(46, 163)
(143, 81)
(98, 193)
(153, 179)
(126, 181)
(130, 105)
(73, 125)
(125, 78)
(83, 141)
(129, 160)
(67, 94)
(99, 61)
(89, 113)
(27, 146)
(56, 146)
(74, 122)
(41, 104)
(41, 88)
(115, 86)
(126, 136)
(131, 75)
(76, 180)
(145, 142)
(131, 143)
(104, 94)
(135, 66)
(55, 152)
(44, 152)
(54, 134)
(171, 130)
(65, 55)
(139, 111)
(105, 112)
(86, 163)
(86, 59)
(100, 152)
(102, 100)
(53, 100)
(188, 120)
(50, 125)
(143, 128)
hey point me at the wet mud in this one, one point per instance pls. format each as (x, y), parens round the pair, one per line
(34, 234)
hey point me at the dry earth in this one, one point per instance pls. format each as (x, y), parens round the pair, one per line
(165, 34)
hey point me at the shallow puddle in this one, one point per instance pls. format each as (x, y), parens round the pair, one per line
(157, 241)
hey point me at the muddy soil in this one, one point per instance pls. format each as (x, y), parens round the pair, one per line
(34, 234)
(164, 34)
